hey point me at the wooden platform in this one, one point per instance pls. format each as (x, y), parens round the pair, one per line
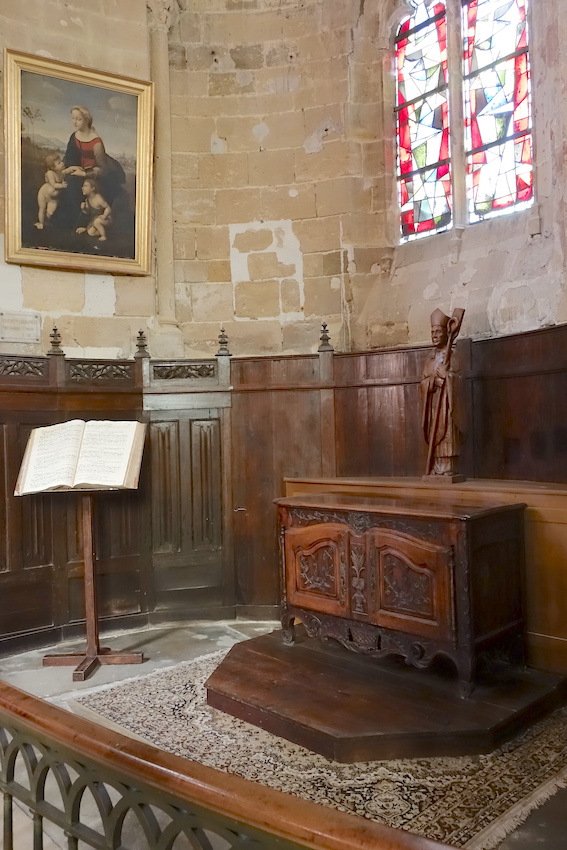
(350, 708)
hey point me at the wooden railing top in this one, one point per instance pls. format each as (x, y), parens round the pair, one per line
(266, 809)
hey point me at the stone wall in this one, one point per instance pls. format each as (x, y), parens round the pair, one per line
(283, 211)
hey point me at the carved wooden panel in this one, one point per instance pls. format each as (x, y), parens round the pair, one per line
(167, 509)
(206, 483)
(413, 582)
(317, 573)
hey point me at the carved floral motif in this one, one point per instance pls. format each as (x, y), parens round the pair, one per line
(317, 571)
(358, 580)
(175, 371)
(16, 367)
(100, 372)
(404, 588)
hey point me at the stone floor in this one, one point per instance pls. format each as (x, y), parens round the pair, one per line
(545, 829)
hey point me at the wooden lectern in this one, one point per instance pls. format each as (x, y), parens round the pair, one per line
(95, 655)
(84, 458)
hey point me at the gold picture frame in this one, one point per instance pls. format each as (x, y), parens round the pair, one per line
(78, 151)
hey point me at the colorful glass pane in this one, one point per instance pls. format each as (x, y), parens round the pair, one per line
(423, 120)
(497, 106)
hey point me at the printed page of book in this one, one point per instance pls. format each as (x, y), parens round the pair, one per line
(105, 453)
(50, 458)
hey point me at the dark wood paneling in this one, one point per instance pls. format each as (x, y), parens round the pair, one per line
(520, 406)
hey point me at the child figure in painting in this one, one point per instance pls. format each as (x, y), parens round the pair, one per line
(48, 195)
(95, 211)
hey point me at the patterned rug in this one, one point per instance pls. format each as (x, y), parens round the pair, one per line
(469, 801)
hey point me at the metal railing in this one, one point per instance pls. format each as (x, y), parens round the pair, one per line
(89, 787)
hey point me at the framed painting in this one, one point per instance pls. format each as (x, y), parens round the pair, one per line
(78, 151)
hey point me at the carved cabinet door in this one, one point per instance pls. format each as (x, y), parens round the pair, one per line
(316, 568)
(412, 587)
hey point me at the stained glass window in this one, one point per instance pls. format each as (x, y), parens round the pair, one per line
(424, 172)
(493, 81)
(497, 106)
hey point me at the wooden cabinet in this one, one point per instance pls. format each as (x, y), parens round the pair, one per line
(417, 578)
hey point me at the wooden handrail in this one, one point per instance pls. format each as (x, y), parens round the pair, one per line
(272, 812)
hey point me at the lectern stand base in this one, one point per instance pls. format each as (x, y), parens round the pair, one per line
(87, 664)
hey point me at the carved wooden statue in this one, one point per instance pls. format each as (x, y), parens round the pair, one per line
(440, 399)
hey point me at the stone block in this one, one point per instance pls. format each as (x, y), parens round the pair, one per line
(238, 132)
(48, 290)
(323, 296)
(222, 84)
(324, 92)
(283, 53)
(184, 83)
(341, 195)
(317, 47)
(185, 170)
(91, 332)
(300, 337)
(332, 160)
(364, 228)
(373, 164)
(258, 299)
(290, 296)
(223, 170)
(315, 265)
(212, 302)
(135, 296)
(184, 243)
(190, 27)
(217, 271)
(283, 202)
(274, 81)
(193, 206)
(364, 121)
(192, 132)
(188, 271)
(263, 336)
(387, 334)
(271, 168)
(318, 234)
(262, 266)
(200, 57)
(247, 56)
(234, 205)
(253, 240)
(177, 57)
(286, 130)
(212, 243)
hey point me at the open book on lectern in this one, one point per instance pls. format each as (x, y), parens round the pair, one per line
(79, 455)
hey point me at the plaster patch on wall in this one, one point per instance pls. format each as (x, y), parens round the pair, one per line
(100, 295)
(114, 353)
(514, 308)
(244, 78)
(260, 131)
(430, 292)
(285, 245)
(12, 297)
(218, 145)
(314, 142)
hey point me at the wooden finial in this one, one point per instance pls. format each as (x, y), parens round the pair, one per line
(325, 337)
(141, 345)
(55, 338)
(223, 345)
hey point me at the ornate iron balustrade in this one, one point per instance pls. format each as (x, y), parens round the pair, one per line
(94, 788)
